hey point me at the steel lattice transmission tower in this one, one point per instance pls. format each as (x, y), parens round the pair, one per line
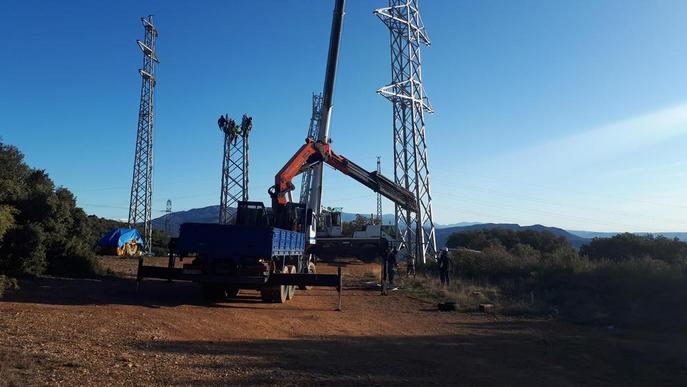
(410, 103)
(140, 205)
(379, 196)
(234, 186)
(313, 132)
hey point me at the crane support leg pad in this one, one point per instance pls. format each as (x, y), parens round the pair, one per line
(160, 272)
(180, 274)
(302, 279)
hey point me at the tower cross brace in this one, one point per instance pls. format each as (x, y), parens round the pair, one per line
(409, 101)
(234, 186)
(313, 132)
(140, 204)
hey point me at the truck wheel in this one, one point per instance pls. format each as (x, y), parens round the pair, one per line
(213, 292)
(265, 295)
(311, 270)
(276, 294)
(232, 291)
(291, 290)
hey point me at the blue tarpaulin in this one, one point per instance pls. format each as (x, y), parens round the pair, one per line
(118, 237)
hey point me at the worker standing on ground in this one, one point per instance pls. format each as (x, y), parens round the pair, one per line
(410, 266)
(385, 271)
(444, 265)
(391, 264)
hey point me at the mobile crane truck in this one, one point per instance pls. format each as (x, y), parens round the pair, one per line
(268, 250)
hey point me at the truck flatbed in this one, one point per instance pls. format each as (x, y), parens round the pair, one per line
(227, 241)
(227, 258)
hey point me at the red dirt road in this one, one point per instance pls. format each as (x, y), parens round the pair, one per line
(85, 332)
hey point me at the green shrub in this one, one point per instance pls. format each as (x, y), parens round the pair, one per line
(540, 241)
(23, 251)
(637, 290)
(41, 228)
(7, 283)
(630, 246)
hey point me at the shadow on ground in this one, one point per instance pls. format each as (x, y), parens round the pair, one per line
(515, 356)
(123, 291)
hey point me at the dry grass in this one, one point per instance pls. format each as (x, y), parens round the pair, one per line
(467, 295)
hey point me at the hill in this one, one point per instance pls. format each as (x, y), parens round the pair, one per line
(595, 234)
(210, 214)
(443, 233)
(577, 238)
(170, 222)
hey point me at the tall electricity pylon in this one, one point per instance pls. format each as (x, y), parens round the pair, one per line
(379, 196)
(140, 204)
(407, 95)
(313, 132)
(234, 186)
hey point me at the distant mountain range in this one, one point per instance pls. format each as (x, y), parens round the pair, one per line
(171, 222)
(442, 234)
(210, 214)
(594, 234)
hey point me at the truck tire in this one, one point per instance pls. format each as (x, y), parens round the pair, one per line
(275, 294)
(232, 291)
(310, 270)
(291, 290)
(213, 292)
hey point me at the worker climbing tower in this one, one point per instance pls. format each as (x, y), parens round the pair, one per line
(234, 186)
(140, 204)
(313, 132)
(407, 95)
(379, 195)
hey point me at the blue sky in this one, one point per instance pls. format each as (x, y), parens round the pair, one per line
(564, 113)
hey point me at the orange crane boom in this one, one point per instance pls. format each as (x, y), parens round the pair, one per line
(315, 152)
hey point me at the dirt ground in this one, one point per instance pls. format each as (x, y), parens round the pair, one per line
(56, 331)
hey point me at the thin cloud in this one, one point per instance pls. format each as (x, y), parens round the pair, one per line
(605, 142)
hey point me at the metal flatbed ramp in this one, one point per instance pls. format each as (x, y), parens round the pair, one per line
(294, 279)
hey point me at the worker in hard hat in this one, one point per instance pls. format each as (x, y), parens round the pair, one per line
(246, 125)
(222, 123)
(444, 267)
(236, 131)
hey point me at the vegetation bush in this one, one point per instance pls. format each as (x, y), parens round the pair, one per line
(630, 246)
(539, 241)
(7, 283)
(41, 229)
(645, 285)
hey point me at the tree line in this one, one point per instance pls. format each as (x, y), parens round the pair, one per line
(625, 280)
(621, 247)
(41, 228)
